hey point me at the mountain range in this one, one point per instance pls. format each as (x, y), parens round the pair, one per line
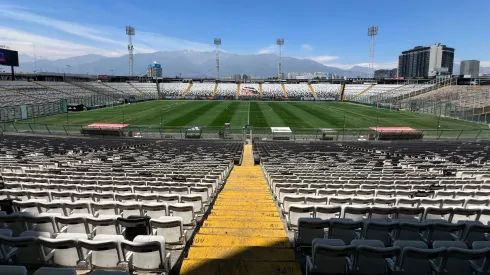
(190, 64)
(183, 63)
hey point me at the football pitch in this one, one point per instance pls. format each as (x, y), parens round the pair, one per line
(259, 114)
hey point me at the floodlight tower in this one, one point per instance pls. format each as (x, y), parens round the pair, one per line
(217, 42)
(372, 32)
(280, 43)
(130, 32)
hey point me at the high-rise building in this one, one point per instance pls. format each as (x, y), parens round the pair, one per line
(385, 73)
(470, 67)
(424, 62)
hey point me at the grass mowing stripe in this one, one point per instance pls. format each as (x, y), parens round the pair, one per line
(184, 119)
(331, 119)
(291, 119)
(225, 115)
(257, 118)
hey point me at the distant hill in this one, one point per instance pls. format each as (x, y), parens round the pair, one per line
(188, 63)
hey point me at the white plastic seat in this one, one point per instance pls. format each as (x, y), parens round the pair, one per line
(195, 200)
(154, 210)
(289, 200)
(171, 228)
(103, 225)
(297, 211)
(104, 209)
(105, 251)
(129, 209)
(183, 210)
(73, 224)
(64, 249)
(201, 191)
(169, 199)
(326, 212)
(147, 253)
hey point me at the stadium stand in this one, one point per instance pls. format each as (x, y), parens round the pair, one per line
(352, 90)
(202, 89)
(379, 203)
(127, 89)
(272, 90)
(147, 88)
(298, 90)
(137, 205)
(326, 90)
(173, 89)
(226, 90)
(92, 204)
(249, 90)
(24, 92)
(377, 90)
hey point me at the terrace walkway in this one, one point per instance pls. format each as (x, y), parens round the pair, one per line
(243, 233)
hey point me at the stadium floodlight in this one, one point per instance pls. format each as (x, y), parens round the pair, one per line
(280, 43)
(372, 32)
(130, 32)
(217, 42)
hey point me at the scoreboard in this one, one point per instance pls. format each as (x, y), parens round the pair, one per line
(9, 58)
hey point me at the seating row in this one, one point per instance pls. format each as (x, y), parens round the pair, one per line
(358, 213)
(404, 258)
(143, 253)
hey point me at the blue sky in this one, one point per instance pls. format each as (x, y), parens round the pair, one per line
(331, 32)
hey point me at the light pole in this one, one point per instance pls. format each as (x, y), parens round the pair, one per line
(68, 68)
(217, 42)
(280, 43)
(372, 32)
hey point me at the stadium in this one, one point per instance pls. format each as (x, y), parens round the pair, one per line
(151, 175)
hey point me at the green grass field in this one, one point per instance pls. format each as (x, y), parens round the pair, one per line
(296, 115)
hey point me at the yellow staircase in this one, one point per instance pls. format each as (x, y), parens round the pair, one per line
(284, 90)
(244, 233)
(312, 91)
(188, 89)
(363, 92)
(238, 90)
(215, 89)
(260, 89)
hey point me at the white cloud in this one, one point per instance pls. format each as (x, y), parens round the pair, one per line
(49, 48)
(111, 41)
(64, 26)
(268, 49)
(306, 47)
(323, 58)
